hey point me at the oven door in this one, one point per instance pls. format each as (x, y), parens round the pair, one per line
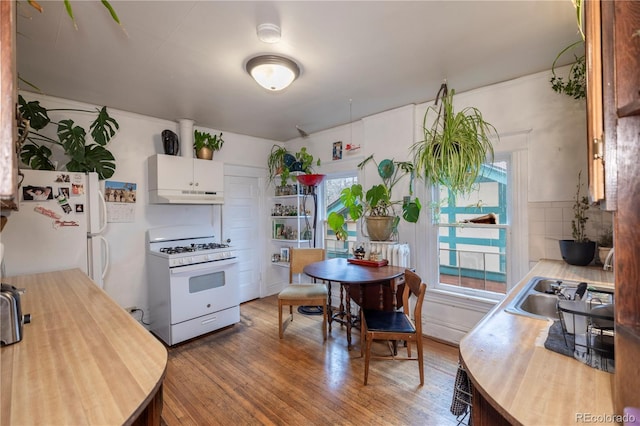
(203, 289)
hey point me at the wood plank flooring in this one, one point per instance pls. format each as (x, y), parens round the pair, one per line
(245, 375)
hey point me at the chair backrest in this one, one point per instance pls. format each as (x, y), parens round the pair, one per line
(301, 257)
(413, 285)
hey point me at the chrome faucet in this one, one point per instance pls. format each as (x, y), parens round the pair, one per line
(608, 262)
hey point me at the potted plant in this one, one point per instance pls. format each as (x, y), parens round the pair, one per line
(605, 244)
(205, 144)
(377, 205)
(282, 163)
(84, 154)
(580, 250)
(455, 145)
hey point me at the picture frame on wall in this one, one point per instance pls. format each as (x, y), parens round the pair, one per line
(337, 150)
(284, 254)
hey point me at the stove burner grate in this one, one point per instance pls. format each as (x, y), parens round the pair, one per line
(192, 248)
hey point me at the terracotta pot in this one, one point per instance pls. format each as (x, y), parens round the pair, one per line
(204, 153)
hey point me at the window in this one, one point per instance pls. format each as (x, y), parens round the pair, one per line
(475, 256)
(333, 186)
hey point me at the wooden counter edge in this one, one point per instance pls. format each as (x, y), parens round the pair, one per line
(478, 390)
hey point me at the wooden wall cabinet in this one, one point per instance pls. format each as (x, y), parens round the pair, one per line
(613, 88)
(8, 96)
(613, 115)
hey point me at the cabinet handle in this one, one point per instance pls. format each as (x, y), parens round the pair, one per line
(190, 183)
(597, 149)
(196, 183)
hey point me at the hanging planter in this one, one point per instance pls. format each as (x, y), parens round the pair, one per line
(455, 144)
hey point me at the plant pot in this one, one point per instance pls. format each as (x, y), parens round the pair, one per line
(602, 253)
(204, 153)
(579, 254)
(379, 227)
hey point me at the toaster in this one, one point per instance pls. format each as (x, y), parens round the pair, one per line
(11, 318)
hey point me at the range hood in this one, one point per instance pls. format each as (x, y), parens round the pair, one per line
(181, 180)
(170, 196)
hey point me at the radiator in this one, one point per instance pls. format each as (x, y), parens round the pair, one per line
(398, 254)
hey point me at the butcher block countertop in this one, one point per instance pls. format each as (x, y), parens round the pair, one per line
(83, 360)
(526, 383)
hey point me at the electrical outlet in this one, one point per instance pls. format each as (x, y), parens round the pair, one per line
(131, 309)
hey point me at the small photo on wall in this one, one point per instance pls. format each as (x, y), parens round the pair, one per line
(337, 150)
(79, 208)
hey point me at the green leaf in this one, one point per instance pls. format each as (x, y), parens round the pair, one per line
(32, 111)
(102, 129)
(337, 223)
(72, 138)
(67, 5)
(96, 159)
(37, 157)
(111, 11)
(411, 211)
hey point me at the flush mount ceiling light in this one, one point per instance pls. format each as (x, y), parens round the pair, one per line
(273, 72)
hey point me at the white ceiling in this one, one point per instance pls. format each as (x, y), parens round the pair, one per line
(185, 59)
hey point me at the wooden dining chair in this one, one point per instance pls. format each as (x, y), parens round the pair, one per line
(395, 325)
(303, 294)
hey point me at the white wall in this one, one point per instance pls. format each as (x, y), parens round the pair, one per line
(140, 137)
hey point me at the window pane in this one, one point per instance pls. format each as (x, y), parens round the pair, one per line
(333, 188)
(474, 255)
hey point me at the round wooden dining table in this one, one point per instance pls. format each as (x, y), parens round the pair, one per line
(347, 274)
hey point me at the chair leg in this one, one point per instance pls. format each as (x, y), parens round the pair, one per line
(367, 357)
(280, 331)
(420, 359)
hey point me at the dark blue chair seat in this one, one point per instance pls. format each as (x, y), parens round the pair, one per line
(392, 322)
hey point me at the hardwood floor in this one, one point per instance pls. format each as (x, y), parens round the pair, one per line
(245, 375)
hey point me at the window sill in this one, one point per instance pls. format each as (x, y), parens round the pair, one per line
(464, 300)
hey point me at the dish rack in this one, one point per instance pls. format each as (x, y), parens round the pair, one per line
(462, 403)
(587, 326)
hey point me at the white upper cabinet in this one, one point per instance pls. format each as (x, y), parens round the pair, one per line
(180, 180)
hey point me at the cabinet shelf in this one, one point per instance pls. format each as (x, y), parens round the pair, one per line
(292, 217)
(282, 240)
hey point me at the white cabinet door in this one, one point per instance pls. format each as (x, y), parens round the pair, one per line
(174, 173)
(208, 176)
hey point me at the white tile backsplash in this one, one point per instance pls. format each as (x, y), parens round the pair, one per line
(551, 221)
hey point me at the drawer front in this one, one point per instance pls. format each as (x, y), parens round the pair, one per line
(205, 324)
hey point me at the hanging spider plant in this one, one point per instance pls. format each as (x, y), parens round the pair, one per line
(455, 145)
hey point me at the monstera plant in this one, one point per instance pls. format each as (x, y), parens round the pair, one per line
(376, 205)
(84, 154)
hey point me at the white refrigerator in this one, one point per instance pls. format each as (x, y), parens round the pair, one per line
(58, 225)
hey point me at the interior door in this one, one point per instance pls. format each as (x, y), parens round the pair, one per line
(240, 223)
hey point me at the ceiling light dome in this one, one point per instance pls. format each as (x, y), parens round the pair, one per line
(273, 72)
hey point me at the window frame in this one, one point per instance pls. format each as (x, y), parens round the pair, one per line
(513, 148)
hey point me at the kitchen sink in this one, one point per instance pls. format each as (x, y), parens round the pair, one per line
(540, 305)
(539, 298)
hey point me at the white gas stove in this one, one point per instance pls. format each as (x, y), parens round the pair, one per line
(193, 282)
